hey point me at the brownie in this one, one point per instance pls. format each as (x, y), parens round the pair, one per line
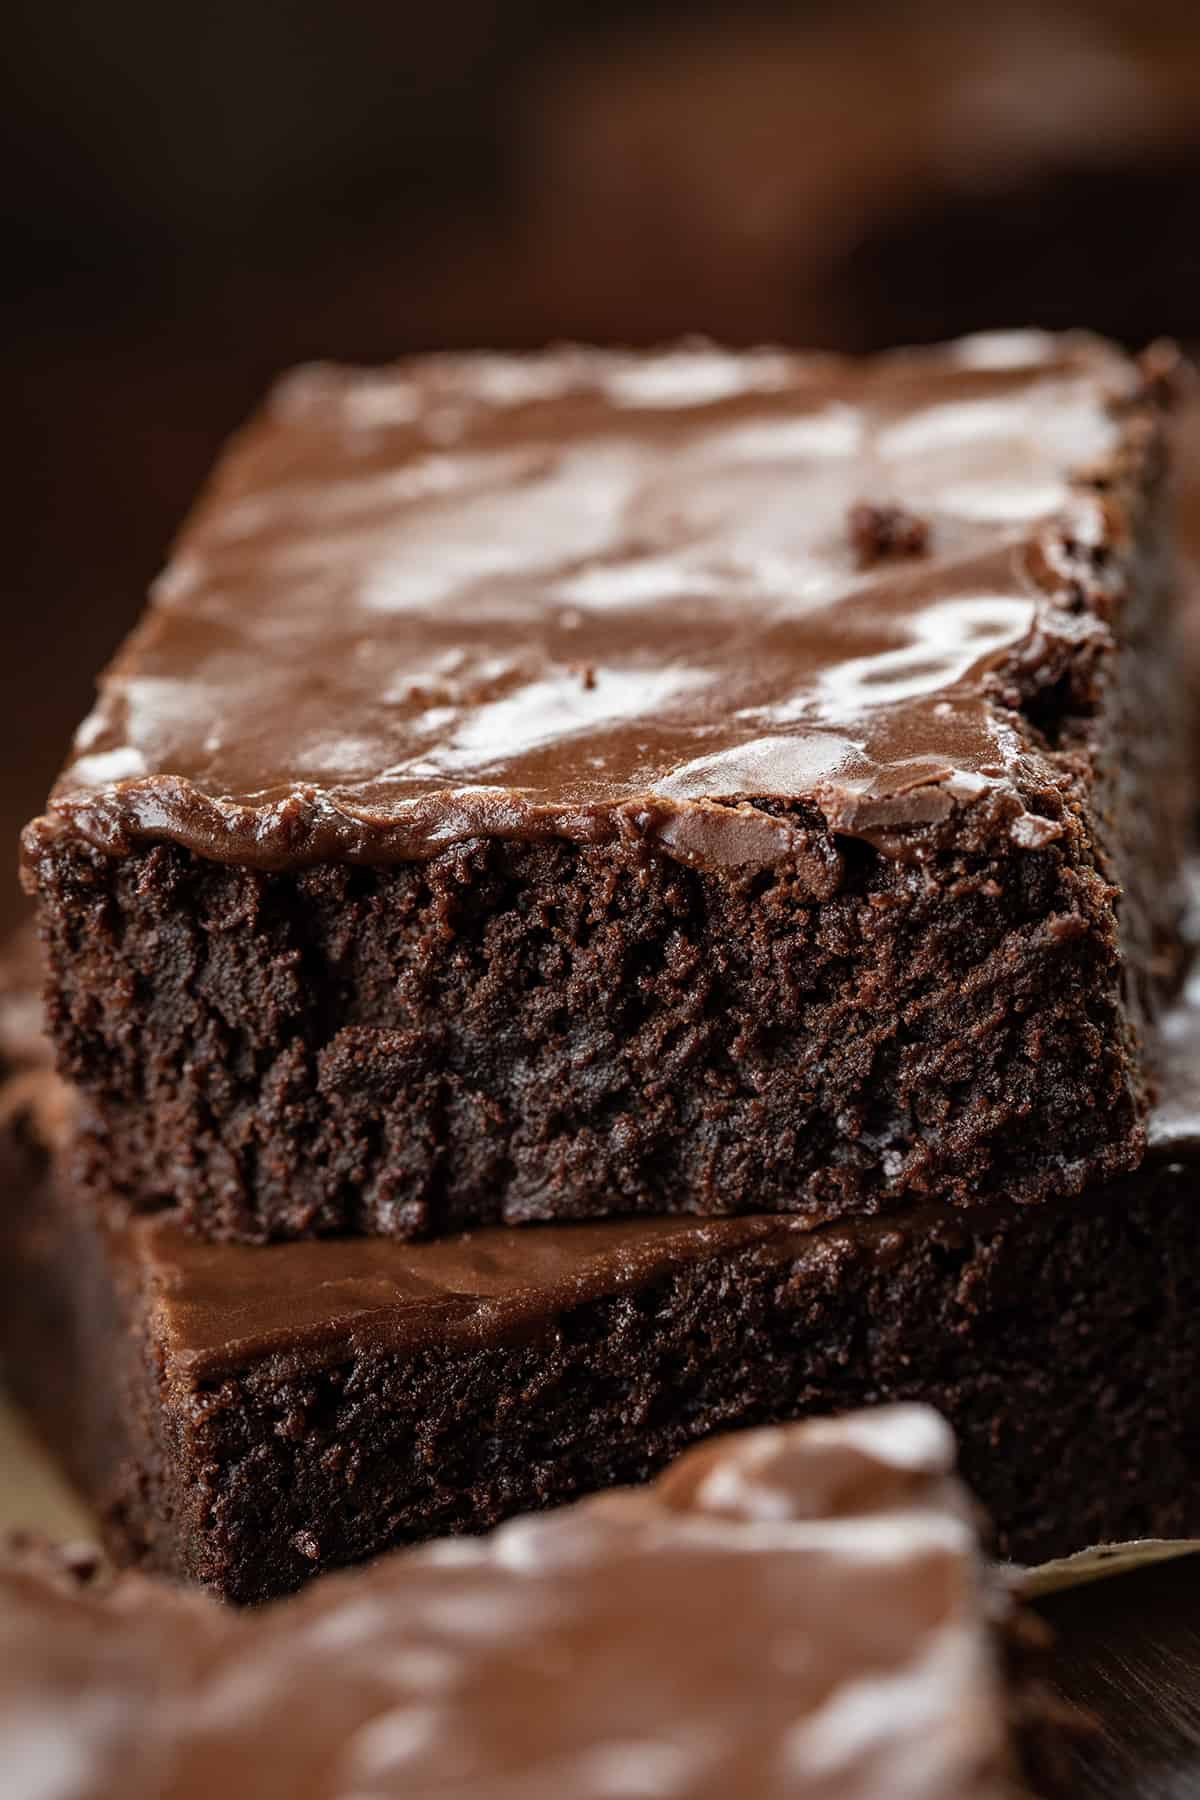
(589, 784)
(245, 1417)
(802, 1612)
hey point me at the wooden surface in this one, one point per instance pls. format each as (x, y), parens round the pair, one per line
(33, 1496)
(1128, 1650)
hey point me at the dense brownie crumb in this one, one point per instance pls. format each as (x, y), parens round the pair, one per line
(246, 1417)
(881, 532)
(523, 1032)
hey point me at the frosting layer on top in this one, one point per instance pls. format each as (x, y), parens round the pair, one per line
(591, 593)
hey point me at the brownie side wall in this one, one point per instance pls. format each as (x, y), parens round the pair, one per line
(1140, 771)
(1062, 1345)
(516, 1032)
(70, 1340)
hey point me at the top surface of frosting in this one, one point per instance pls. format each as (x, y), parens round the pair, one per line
(797, 1612)
(489, 594)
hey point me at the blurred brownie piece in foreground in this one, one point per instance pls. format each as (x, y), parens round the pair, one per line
(796, 1613)
(595, 784)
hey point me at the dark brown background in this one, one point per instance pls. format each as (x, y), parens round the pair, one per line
(194, 198)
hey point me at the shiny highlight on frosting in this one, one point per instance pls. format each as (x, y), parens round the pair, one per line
(560, 594)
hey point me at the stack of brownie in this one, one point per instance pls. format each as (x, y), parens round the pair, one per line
(611, 897)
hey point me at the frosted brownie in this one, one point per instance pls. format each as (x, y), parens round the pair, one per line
(803, 1613)
(693, 783)
(246, 1417)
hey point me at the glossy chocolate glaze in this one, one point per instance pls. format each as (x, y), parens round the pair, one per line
(593, 594)
(796, 1612)
(220, 1305)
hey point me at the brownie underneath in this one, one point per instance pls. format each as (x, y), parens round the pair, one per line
(246, 1417)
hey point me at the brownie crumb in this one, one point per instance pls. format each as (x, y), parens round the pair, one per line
(883, 533)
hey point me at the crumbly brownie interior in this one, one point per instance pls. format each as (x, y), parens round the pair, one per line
(265, 1412)
(553, 1031)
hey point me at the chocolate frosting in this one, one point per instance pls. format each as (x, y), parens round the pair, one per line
(218, 1306)
(792, 1612)
(595, 594)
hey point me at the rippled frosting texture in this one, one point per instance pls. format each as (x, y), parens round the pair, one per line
(790, 1612)
(589, 592)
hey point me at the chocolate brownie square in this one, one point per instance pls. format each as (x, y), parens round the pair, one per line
(595, 784)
